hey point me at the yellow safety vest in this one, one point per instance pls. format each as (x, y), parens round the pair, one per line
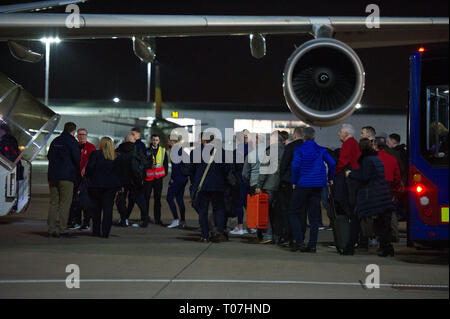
(157, 172)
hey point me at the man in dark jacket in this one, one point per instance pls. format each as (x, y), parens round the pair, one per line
(211, 190)
(63, 167)
(136, 131)
(134, 192)
(284, 232)
(401, 154)
(177, 185)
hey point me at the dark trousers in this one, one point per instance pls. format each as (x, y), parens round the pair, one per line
(345, 191)
(156, 186)
(216, 199)
(176, 192)
(355, 229)
(309, 198)
(103, 201)
(243, 191)
(77, 214)
(382, 227)
(135, 196)
(283, 228)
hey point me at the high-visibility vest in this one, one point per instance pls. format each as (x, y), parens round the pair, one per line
(157, 172)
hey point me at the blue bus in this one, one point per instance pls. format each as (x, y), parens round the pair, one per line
(428, 125)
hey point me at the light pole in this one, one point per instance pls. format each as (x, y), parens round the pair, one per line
(47, 42)
(149, 78)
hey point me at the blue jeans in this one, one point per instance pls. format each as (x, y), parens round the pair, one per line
(217, 201)
(309, 197)
(176, 191)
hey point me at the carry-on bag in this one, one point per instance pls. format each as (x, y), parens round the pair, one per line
(258, 211)
(341, 225)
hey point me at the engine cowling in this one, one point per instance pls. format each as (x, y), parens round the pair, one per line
(323, 81)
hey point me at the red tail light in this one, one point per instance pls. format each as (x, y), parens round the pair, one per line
(426, 197)
(419, 189)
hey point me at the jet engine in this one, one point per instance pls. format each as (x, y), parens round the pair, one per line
(323, 81)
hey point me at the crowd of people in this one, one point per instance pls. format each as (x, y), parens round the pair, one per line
(366, 180)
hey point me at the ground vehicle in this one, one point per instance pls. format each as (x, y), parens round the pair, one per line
(428, 147)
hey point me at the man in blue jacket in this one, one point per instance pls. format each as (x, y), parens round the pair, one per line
(63, 167)
(308, 177)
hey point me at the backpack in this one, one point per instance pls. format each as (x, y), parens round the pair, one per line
(137, 165)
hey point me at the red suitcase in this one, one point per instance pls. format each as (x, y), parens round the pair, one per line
(258, 211)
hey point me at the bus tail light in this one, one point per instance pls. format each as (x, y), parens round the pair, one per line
(426, 197)
(419, 189)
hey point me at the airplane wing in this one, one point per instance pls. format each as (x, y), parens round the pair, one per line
(352, 30)
(36, 6)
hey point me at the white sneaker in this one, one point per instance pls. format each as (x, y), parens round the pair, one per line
(175, 223)
(76, 226)
(373, 242)
(126, 222)
(252, 231)
(237, 231)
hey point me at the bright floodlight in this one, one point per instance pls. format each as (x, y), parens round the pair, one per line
(50, 40)
(116, 100)
(358, 106)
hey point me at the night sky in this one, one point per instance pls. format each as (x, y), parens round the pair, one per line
(211, 69)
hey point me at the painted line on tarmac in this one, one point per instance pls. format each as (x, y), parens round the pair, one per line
(213, 281)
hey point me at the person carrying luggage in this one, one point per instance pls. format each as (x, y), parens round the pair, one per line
(208, 177)
(269, 182)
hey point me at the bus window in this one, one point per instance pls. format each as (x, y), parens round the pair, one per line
(437, 125)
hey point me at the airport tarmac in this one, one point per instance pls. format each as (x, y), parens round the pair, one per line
(161, 263)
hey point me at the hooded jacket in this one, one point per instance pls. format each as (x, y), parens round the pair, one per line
(374, 196)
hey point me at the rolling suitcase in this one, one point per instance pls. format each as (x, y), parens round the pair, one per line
(341, 226)
(258, 211)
